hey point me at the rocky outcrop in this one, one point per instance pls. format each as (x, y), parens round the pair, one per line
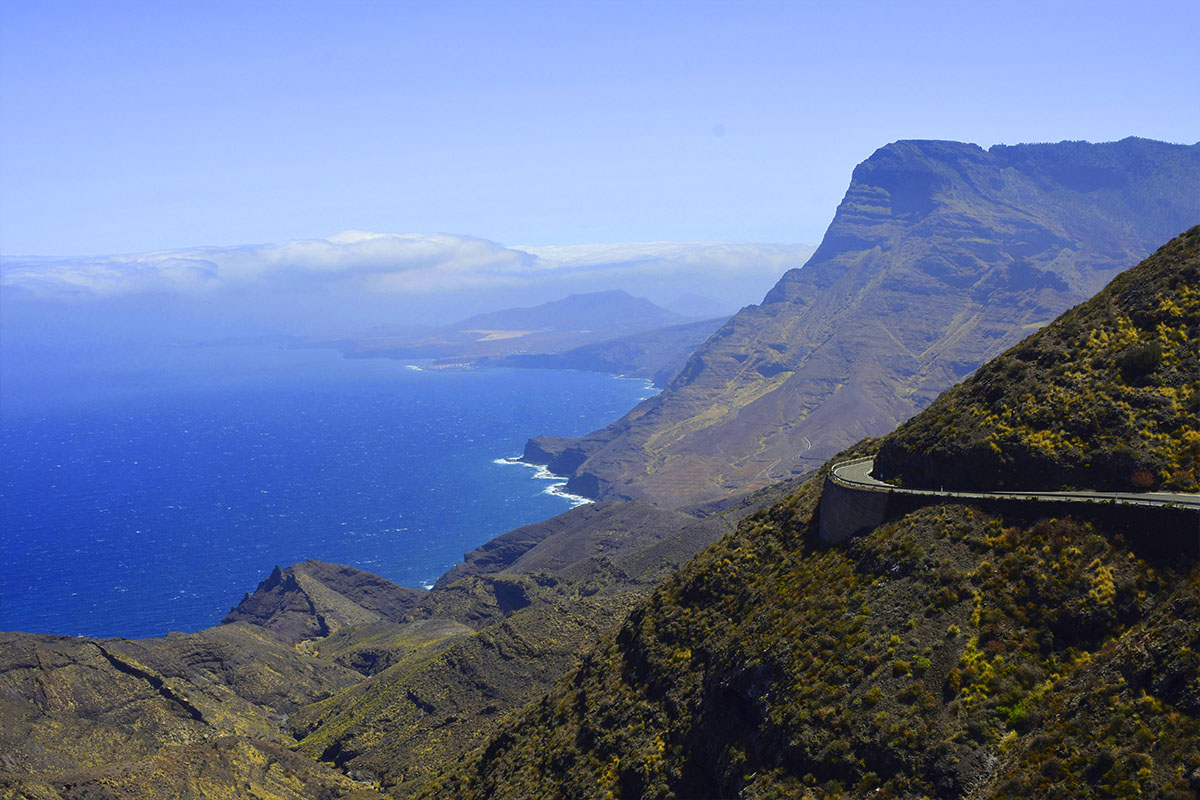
(558, 454)
(313, 599)
(620, 533)
(940, 256)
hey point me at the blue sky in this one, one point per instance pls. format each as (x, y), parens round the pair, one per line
(130, 127)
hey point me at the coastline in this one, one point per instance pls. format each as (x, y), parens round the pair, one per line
(474, 365)
(404, 442)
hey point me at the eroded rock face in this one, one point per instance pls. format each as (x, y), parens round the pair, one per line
(941, 256)
(83, 717)
(314, 599)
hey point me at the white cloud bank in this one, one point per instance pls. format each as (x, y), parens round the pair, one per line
(375, 263)
(369, 262)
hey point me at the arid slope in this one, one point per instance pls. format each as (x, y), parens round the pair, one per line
(951, 652)
(941, 256)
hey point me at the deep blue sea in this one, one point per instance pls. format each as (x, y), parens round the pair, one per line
(151, 504)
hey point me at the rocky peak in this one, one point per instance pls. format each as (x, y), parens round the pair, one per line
(313, 599)
(941, 255)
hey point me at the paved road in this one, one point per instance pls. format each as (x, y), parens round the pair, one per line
(857, 474)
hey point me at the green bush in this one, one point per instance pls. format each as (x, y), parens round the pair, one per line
(1140, 360)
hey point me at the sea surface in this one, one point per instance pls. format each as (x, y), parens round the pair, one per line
(152, 503)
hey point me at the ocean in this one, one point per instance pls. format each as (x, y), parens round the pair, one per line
(150, 504)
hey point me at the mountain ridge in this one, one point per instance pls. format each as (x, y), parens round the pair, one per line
(949, 652)
(940, 256)
(552, 327)
(1108, 394)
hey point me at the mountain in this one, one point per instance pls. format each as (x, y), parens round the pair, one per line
(956, 650)
(1106, 398)
(615, 312)
(314, 599)
(977, 649)
(576, 320)
(327, 681)
(156, 718)
(535, 598)
(655, 355)
(940, 256)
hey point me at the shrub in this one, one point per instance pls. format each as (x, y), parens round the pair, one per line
(1140, 360)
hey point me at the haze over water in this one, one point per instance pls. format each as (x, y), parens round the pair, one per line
(136, 507)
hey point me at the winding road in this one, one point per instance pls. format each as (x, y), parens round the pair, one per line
(856, 474)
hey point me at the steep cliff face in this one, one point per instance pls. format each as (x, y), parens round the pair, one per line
(940, 256)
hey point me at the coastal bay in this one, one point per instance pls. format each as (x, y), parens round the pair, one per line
(133, 507)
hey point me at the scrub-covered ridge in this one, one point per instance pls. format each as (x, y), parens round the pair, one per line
(952, 652)
(1107, 397)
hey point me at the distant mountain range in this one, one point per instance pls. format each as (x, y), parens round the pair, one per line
(574, 321)
(656, 355)
(940, 256)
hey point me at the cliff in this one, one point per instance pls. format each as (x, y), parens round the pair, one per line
(941, 256)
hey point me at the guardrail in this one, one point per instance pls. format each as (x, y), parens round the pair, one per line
(852, 504)
(1127, 498)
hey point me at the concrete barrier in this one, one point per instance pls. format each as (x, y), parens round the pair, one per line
(846, 512)
(1163, 531)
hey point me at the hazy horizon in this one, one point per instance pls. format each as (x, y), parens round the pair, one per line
(409, 164)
